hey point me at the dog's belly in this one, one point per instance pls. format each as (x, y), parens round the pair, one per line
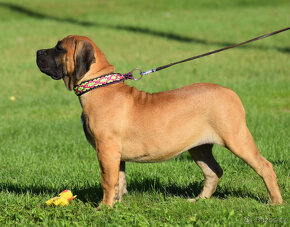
(149, 156)
(143, 153)
(161, 145)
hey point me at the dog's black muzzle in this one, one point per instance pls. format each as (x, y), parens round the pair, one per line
(46, 62)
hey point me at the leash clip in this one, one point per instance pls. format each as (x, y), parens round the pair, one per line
(130, 76)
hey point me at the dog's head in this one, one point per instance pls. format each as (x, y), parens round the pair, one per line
(71, 59)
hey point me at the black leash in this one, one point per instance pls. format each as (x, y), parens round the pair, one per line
(129, 75)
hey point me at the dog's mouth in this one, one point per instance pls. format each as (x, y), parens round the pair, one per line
(46, 69)
(42, 65)
(55, 77)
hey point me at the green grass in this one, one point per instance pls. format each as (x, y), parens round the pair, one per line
(42, 147)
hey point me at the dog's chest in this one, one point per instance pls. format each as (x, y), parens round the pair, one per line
(88, 135)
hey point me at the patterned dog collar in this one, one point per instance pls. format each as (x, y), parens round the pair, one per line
(101, 81)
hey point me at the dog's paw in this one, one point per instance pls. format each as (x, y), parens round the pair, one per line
(192, 200)
(125, 191)
(278, 201)
(196, 199)
(103, 206)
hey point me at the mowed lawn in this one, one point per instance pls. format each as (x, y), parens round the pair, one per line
(42, 146)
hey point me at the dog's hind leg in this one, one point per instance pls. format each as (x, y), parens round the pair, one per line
(122, 183)
(203, 157)
(242, 144)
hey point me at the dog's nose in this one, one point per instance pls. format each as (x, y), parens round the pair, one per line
(40, 52)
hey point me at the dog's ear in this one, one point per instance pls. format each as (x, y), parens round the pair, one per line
(83, 57)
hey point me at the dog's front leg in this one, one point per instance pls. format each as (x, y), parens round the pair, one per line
(109, 159)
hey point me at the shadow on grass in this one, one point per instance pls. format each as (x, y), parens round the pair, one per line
(129, 28)
(286, 50)
(190, 191)
(94, 194)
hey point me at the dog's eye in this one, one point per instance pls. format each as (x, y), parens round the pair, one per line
(58, 47)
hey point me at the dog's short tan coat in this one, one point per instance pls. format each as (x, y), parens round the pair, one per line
(125, 124)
